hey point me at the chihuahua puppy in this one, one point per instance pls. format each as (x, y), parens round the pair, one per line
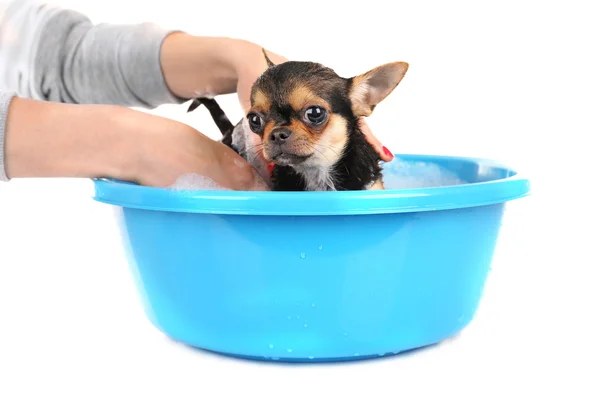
(307, 117)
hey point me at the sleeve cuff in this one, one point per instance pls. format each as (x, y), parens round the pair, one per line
(139, 58)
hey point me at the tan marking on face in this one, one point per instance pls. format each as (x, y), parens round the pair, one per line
(331, 142)
(302, 140)
(302, 133)
(327, 151)
(266, 143)
(302, 96)
(261, 102)
(267, 130)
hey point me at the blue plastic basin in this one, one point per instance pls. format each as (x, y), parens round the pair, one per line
(315, 276)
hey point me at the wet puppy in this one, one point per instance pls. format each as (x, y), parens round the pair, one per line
(307, 118)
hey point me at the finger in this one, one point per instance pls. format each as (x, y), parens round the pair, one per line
(259, 184)
(243, 175)
(383, 152)
(251, 182)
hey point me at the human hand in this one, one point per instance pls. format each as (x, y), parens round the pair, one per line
(384, 153)
(165, 150)
(97, 141)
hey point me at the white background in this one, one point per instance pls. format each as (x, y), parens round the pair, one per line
(514, 80)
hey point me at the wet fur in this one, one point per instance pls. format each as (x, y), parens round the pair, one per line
(358, 166)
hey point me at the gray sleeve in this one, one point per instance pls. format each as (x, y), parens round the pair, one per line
(54, 54)
(79, 62)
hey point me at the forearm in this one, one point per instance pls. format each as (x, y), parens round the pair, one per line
(195, 66)
(66, 140)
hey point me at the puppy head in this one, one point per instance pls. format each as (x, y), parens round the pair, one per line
(304, 111)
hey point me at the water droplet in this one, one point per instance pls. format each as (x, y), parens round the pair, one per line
(297, 317)
(313, 305)
(289, 350)
(289, 317)
(311, 357)
(271, 346)
(305, 325)
(297, 304)
(320, 247)
(345, 334)
(302, 255)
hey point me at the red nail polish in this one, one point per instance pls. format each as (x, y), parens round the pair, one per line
(387, 152)
(271, 167)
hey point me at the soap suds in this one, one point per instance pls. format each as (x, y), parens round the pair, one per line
(190, 182)
(401, 174)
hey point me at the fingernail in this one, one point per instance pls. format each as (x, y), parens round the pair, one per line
(387, 152)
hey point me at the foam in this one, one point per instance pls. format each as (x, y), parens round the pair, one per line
(190, 182)
(400, 174)
(196, 182)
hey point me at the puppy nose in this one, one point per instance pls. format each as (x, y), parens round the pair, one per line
(280, 135)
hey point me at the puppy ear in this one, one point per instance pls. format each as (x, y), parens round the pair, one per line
(369, 89)
(269, 62)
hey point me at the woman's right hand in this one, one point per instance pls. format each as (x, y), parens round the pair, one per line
(53, 140)
(162, 150)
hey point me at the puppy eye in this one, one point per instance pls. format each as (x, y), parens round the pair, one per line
(255, 122)
(315, 115)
